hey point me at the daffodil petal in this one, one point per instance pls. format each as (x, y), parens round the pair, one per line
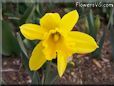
(69, 20)
(50, 21)
(81, 42)
(61, 63)
(63, 46)
(49, 46)
(63, 53)
(37, 59)
(50, 52)
(49, 49)
(31, 31)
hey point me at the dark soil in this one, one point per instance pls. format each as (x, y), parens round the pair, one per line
(13, 72)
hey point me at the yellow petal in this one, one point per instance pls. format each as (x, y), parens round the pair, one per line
(31, 31)
(50, 21)
(50, 51)
(81, 42)
(61, 63)
(37, 59)
(69, 20)
(49, 48)
(62, 45)
(63, 53)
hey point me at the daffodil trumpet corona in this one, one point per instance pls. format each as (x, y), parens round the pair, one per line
(57, 40)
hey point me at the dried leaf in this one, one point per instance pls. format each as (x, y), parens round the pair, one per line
(97, 63)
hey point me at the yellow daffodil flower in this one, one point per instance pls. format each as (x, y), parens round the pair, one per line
(57, 40)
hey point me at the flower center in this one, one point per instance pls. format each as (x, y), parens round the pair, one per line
(56, 36)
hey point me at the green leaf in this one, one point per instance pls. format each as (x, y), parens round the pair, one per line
(24, 55)
(50, 73)
(97, 52)
(27, 43)
(97, 23)
(27, 14)
(9, 42)
(111, 19)
(20, 41)
(36, 79)
(91, 24)
(86, 25)
(40, 9)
